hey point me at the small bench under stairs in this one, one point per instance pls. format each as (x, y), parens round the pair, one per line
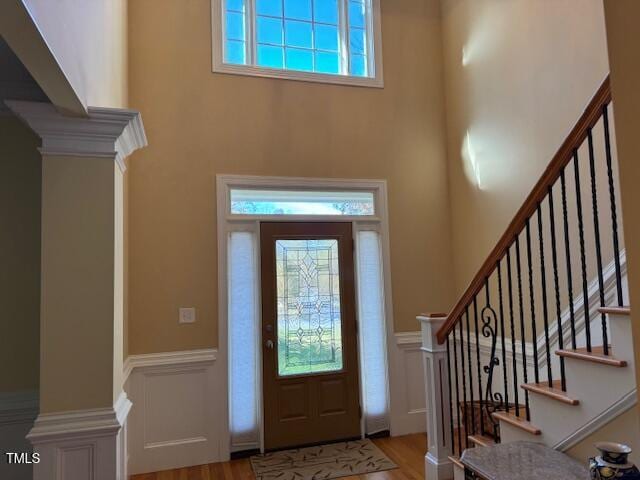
(534, 352)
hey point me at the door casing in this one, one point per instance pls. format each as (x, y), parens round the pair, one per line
(228, 222)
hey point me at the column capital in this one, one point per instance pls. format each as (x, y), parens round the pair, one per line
(104, 132)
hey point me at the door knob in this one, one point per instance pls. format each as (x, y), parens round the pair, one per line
(269, 344)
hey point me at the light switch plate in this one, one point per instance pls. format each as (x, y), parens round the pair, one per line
(187, 315)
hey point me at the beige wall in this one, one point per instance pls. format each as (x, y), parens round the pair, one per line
(80, 319)
(200, 124)
(19, 256)
(518, 75)
(623, 429)
(622, 35)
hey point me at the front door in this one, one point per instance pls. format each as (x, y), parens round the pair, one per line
(310, 361)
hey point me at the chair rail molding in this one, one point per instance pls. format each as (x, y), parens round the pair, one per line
(82, 444)
(145, 360)
(105, 132)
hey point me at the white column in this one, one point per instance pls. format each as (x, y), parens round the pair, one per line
(439, 441)
(79, 432)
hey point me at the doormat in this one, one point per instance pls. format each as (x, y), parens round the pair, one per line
(322, 462)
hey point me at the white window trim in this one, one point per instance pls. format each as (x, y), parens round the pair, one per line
(375, 60)
(227, 222)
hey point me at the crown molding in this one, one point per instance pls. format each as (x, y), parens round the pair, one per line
(104, 132)
(55, 427)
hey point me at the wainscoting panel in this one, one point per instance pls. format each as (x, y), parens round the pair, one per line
(408, 413)
(173, 420)
(17, 414)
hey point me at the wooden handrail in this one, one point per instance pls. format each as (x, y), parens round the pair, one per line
(563, 156)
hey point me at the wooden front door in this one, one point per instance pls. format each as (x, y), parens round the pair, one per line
(309, 343)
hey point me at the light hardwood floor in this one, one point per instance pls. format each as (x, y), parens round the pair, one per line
(407, 452)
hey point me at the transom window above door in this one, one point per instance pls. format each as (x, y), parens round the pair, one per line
(248, 201)
(333, 41)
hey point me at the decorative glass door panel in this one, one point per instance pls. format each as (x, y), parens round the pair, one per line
(310, 352)
(309, 323)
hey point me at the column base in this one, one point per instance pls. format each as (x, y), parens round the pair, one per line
(437, 469)
(82, 444)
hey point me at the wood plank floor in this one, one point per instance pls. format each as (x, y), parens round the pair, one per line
(407, 452)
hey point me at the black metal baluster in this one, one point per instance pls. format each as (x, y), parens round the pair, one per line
(596, 233)
(479, 367)
(554, 259)
(450, 397)
(522, 335)
(567, 253)
(464, 387)
(612, 199)
(469, 361)
(545, 312)
(504, 350)
(534, 329)
(513, 333)
(583, 261)
(455, 364)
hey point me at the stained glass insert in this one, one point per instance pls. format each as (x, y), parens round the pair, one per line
(309, 324)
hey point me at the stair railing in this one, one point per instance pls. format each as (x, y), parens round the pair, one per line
(531, 274)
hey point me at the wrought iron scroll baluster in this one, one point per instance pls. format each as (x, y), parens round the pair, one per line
(493, 400)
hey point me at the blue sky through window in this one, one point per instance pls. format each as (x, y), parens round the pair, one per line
(303, 35)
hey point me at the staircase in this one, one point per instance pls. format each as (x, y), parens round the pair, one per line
(539, 347)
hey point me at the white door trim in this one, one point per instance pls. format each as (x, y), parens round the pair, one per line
(226, 222)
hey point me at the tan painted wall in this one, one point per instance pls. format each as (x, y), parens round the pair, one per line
(19, 256)
(81, 365)
(623, 429)
(622, 35)
(518, 75)
(200, 124)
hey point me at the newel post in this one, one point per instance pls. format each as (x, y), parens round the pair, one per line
(437, 463)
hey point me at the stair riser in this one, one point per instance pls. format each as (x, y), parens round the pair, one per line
(621, 338)
(509, 433)
(458, 473)
(555, 419)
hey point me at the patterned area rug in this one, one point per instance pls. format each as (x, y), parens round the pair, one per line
(322, 462)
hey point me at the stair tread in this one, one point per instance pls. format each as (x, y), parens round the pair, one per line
(596, 355)
(519, 422)
(555, 392)
(615, 310)
(482, 440)
(456, 460)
